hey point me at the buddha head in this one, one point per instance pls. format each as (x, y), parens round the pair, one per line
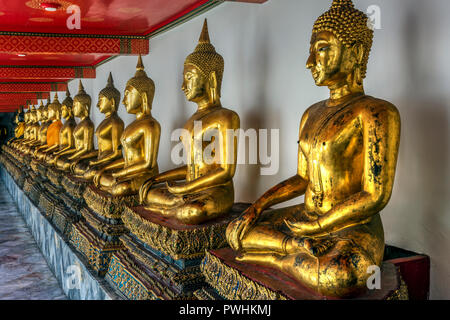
(38, 112)
(139, 91)
(33, 114)
(203, 71)
(340, 46)
(54, 109)
(67, 107)
(109, 97)
(27, 117)
(44, 115)
(81, 103)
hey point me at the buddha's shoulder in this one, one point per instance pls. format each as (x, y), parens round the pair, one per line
(224, 114)
(376, 107)
(145, 123)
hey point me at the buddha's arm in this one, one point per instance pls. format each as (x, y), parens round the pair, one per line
(66, 151)
(151, 144)
(116, 133)
(51, 148)
(88, 138)
(381, 136)
(227, 151)
(171, 175)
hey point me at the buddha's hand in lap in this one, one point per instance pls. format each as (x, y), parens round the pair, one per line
(176, 188)
(144, 189)
(302, 228)
(96, 179)
(238, 228)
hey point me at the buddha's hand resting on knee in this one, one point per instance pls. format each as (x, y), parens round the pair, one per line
(96, 179)
(303, 228)
(239, 227)
(143, 190)
(72, 167)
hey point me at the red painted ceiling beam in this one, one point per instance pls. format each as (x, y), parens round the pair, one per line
(248, 1)
(48, 44)
(24, 95)
(32, 86)
(56, 73)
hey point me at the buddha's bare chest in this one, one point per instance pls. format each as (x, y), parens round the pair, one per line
(330, 134)
(132, 137)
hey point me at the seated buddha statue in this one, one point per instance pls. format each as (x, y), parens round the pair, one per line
(108, 133)
(19, 130)
(43, 129)
(203, 189)
(36, 117)
(83, 133)
(27, 125)
(347, 156)
(52, 141)
(140, 141)
(66, 140)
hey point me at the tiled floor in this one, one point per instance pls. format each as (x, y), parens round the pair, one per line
(24, 274)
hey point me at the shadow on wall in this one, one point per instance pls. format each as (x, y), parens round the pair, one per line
(424, 150)
(255, 115)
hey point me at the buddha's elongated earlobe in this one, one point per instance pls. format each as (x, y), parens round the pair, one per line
(213, 87)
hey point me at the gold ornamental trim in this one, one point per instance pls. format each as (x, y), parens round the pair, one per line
(107, 206)
(231, 284)
(179, 244)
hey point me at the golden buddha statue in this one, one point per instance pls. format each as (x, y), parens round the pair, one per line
(42, 133)
(19, 130)
(347, 157)
(108, 135)
(83, 133)
(207, 191)
(20, 125)
(52, 141)
(66, 140)
(140, 141)
(27, 125)
(36, 117)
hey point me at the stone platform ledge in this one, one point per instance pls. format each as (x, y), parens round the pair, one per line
(63, 260)
(171, 237)
(107, 205)
(233, 280)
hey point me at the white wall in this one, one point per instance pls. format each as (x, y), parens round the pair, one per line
(265, 49)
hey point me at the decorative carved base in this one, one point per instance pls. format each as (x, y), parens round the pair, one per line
(95, 249)
(47, 203)
(174, 239)
(106, 205)
(55, 176)
(141, 273)
(74, 187)
(63, 220)
(233, 280)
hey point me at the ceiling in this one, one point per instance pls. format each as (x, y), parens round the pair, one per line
(39, 53)
(41, 50)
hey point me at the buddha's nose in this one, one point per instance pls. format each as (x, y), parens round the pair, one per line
(310, 62)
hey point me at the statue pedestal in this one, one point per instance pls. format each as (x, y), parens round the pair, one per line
(162, 256)
(97, 234)
(232, 280)
(55, 176)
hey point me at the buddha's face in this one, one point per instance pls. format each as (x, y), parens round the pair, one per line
(104, 104)
(328, 59)
(79, 109)
(38, 116)
(64, 111)
(51, 114)
(132, 100)
(194, 84)
(44, 114)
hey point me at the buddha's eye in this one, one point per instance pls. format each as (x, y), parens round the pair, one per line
(323, 49)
